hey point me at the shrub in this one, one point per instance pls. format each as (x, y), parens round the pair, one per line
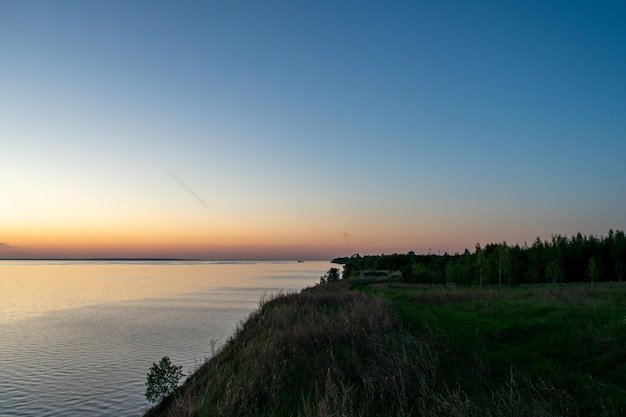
(331, 276)
(162, 380)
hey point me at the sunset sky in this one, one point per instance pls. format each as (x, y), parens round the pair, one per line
(307, 129)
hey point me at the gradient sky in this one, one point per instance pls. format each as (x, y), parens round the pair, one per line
(307, 129)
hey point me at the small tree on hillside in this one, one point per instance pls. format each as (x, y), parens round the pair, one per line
(331, 276)
(162, 380)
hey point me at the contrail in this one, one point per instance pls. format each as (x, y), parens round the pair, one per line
(182, 184)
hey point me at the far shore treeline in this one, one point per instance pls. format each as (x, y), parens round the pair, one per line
(579, 258)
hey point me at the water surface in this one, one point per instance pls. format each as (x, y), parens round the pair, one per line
(77, 338)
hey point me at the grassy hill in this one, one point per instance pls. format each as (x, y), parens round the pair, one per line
(385, 348)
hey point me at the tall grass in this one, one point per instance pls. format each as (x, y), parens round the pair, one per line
(330, 351)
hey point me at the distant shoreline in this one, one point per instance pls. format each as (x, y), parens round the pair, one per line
(98, 259)
(161, 260)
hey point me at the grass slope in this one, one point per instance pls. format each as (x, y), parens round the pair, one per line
(388, 349)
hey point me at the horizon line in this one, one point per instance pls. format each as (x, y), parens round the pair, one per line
(163, 259)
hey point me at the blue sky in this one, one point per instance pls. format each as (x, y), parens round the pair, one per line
(310, 129)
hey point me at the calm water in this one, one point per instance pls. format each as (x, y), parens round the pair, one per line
(77, 338)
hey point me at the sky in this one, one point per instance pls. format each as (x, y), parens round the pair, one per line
(307, 129)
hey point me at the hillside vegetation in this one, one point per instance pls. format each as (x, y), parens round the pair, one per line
(364, 348)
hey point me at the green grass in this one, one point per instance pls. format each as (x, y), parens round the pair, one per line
(571, 337)
(383, 348)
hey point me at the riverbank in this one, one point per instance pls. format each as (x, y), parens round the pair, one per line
(390, 349)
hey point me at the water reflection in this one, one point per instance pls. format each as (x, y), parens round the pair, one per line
(31, 288)
(77, 339)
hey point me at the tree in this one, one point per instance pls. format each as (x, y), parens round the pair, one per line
(459, 271)
(537, 261)
(504, 261)
(515, 263)
(553, 271)
(592, 271)
(619, 270)
(349, 270)
(555, 249)
(481, 263)
(407, 274)
(421, 273)
(618, 254)
(162, 380)
(331, 276)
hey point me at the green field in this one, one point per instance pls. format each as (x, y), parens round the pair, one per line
(386, 348)
(571, 338)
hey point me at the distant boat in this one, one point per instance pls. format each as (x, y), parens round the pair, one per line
(300, 260)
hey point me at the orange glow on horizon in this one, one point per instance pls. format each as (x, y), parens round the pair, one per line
(288, 241)
(59, 245)
(66, 244)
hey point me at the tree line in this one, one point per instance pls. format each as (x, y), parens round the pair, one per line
(578, 258)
